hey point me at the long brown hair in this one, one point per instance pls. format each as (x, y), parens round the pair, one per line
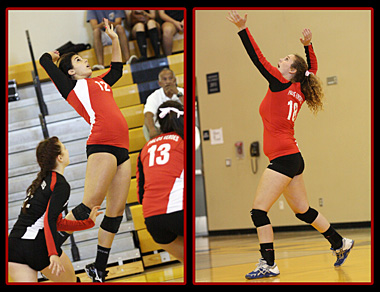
(311, 86)
(46, 153)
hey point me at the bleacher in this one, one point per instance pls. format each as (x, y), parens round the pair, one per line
(133, 249)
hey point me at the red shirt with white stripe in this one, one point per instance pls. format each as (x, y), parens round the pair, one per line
(160, 175)
(282, 102)
(92, 98)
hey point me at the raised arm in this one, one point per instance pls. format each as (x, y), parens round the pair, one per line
(309, 51)
(116, 71)
(270, 73)
(60, 80)
(116, 51)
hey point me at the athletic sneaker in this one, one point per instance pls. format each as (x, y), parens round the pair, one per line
(95, 274)
(97, 67)
(132, 59)
(342, 253)
(263, 270)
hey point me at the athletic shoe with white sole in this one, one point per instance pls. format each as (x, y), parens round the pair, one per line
(95, 274)
(342, 253)
(263, 270)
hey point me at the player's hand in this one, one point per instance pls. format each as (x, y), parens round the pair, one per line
(94, 213)
(307, 35)
(237, 20)
(109, 30)
(54, 55)
(56, 266)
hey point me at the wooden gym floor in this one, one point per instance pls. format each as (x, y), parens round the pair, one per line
(168, 273)
(302, 257)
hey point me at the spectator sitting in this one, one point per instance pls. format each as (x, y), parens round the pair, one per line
(140, 21)
(115, 17)
(168, 91)
(173, 22)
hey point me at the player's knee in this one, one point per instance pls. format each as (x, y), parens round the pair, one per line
(111, 224)
(309, 216)
(259, 218)
(81, 212)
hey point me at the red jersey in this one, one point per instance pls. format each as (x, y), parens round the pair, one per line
(92, 98)
(281, 104)
(160, 175)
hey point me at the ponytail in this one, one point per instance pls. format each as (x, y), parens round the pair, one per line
(311, 86)
(312, 90)
(46, 153)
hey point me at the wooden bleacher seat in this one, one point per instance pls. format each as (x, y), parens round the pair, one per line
(136, 139)
(23, 73)
(132, 195)
(134, 115)
(133, 157)
(127, 95)
(176, 63)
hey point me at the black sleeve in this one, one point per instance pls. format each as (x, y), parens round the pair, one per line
(59, 197)
(276, 81)
(114, 74)
(140, 179)
(61, 81)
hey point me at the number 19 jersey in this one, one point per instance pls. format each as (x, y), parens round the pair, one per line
(160, 175)
(282, 101)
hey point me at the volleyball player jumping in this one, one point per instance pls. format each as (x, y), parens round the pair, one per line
(34, 243)
(108, 169)
(291, 83)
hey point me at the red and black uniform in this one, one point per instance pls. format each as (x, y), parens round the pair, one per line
(92, 98)
(34, 237)
(281, 103)
(160, 186)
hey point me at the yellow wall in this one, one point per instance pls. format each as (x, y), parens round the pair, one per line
(336, 144)
(48, 29)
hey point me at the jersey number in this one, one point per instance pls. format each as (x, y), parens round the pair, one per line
(103, 85)
(293, 108)
(163, 155)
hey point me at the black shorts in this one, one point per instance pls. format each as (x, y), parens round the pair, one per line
(121, 154)
(166, 227)
(289, 165)
(31, 252)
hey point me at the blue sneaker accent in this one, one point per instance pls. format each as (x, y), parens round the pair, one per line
(263, 271)
(342, 253)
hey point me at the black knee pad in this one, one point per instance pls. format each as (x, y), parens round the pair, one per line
(259, 218)
(81, 212)
(309, 216)
(111, 224)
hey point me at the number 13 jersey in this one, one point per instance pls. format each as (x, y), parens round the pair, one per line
(281, 103)
(160, 175)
